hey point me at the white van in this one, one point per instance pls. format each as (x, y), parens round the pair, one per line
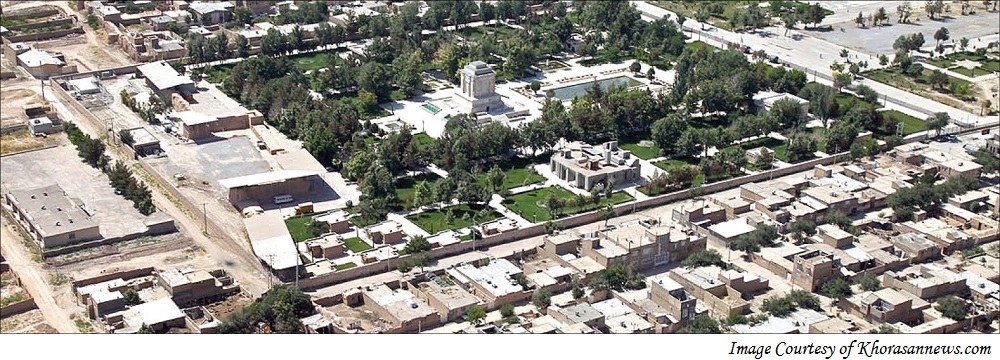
(283, 199)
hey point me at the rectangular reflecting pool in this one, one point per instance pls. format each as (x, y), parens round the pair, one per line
(430, 108)
(572, 91)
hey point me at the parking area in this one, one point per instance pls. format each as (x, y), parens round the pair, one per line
(61, 166)
(879, 40)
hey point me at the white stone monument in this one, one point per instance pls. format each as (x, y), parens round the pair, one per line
(479, 89)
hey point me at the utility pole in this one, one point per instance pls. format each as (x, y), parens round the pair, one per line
(204, 212)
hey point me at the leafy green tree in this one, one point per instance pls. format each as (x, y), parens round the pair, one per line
(507, 310)
(131, 297)
(799, 229)
(376, 78)
(989, 161)
(701, 324)
(938, 121)
(836, 288)
(280, 308)
(578, 292)
(667, 131)
(952, 307)
(937, 79)
(801, 146)
(934, 7)
(708, 257)
(884, 329)
(868, 282)
(145, 329)
(618, 277)
(541, 299)
(475, 314)
(415, 245)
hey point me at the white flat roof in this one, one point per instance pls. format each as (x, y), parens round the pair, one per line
(271, 241)
(191, 118)
(162, 75)
(85, 84)
(153, 312)
(208, 7)
(732, 228)
(35, 57)
(265, 178)
(612, 307)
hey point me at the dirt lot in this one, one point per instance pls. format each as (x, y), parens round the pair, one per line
(31, 322)
(224, 308)
(21, 140)
(16, 96)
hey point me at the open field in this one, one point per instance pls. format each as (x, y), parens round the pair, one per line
(531, 205)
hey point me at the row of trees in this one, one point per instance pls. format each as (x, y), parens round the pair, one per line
(926, 195)
(92, 152)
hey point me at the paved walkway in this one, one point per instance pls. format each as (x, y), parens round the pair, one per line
(408, 227)
(496, 202)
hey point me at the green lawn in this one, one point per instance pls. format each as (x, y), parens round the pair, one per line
(987, 65)
(780, 152)
(530, 205)
(476, 33)
(911, 124)
(217, 74)
(406, 186)
(423, 141)
(674, 163)
(297, 227)
(313, 61)
(892, 77)
(356, 245)
(642, 152)
(846, 101)
(518, 174)
(435, 221)
(345, 266)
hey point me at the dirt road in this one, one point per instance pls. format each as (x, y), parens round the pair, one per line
(95, 53)
(34, 279)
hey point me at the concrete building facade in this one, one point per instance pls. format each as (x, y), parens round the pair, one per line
(478, 89)
(586, 166)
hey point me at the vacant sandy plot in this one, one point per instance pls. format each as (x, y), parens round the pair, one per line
(14, 100)
(22, 140)
(31, 322)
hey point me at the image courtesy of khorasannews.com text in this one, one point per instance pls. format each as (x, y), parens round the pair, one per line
(789, 179)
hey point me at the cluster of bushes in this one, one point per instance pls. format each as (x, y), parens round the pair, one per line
(147, 111)
(277, 311)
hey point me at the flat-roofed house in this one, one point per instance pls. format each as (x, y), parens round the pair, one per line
(494, 283)
(209, 13)
(403, 310)
(189, 286)
(585, 166)
(51, 217)
(886, 306)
